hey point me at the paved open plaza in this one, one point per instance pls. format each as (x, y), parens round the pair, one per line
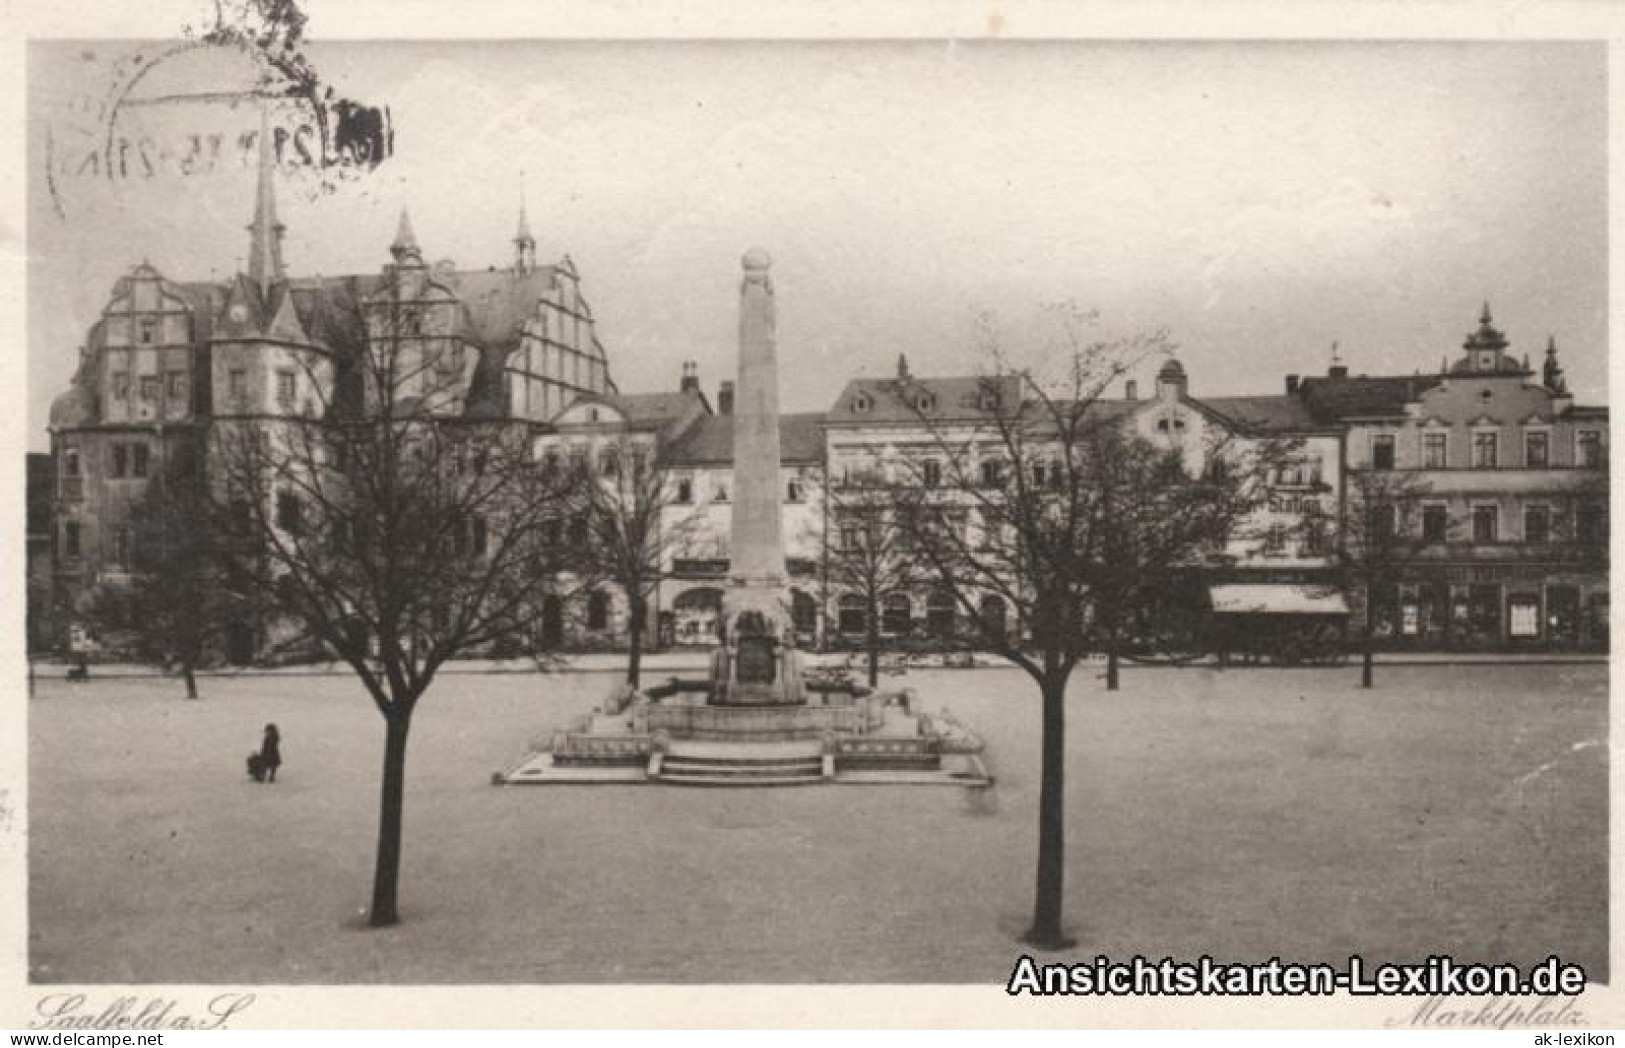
(1242, 813)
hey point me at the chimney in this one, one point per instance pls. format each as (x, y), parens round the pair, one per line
(1292, 383)
(1338, 371)
(691, 378)
(1131, 390)
(725, 398)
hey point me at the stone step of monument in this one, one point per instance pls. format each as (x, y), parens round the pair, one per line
(713, 750)
(738, 768)
(753, 779)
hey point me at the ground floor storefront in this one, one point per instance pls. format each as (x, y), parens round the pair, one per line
(1522, 607)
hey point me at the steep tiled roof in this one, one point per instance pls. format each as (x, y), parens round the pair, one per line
(1335, 399)
(896, 399)
(710, 441)
(1275, 412)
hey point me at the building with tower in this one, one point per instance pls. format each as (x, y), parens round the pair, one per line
(169, 363)
(1507, 507)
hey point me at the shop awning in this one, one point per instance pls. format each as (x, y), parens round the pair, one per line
(1276, 598)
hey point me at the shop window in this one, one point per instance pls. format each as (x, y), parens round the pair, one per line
(1523, 616)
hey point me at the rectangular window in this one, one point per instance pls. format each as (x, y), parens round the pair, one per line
(237, 384)
(1588, 449)
(70, 462)
(1275, 540)
(1434, 449)
(1485, 521)
(640, 462)
(121, 461)
(148, 331)
(121, 546)
(793, 490)
(1485, 448)
(685, 491)
(1537, 524)
(70, 539)
(1435, 523)
(1591, 524)
(288, 512)
(609, 462)
(1384, 523)
(284, 388)
(931, 472)
(177, 385)
(1536, 449)
(992, 473)
(140, 455)
(149, 389)
(578, 460)
(1382, 451)
(121, 385)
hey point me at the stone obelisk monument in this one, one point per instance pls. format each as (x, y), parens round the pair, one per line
(758, 666)
(757, 544)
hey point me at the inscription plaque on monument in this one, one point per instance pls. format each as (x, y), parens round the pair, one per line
(757, 664)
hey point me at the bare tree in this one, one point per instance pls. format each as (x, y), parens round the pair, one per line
(1043, 503)
(866, 552)
(1380, 539)
(632, 542)
(176, 600)
(396, 531)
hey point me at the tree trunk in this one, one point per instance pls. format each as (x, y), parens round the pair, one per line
(1046, 932)
(387, 875)
(187, 671)
(634, 649)
(872, 642)
(1368, 645)
(1111, 661)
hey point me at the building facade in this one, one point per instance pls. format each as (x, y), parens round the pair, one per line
(1505, 521)
(171, 366)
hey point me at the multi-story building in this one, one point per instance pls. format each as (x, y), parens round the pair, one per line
(1506, 518)
(170, 365)
(940, 431)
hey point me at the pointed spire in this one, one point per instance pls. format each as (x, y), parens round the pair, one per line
(902, 365)
(1552, 373)
(406, 244)
(524, 244)
(265, 235)
(1484, 317)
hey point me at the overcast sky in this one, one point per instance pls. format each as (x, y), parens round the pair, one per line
(1259, 201)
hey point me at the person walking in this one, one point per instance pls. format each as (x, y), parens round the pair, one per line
(271, 752)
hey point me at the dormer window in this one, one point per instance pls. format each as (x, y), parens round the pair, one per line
(862, 403)
(988, 400)
(926, 402)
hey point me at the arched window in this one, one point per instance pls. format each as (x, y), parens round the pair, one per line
(803, 612)
(597, 610)
(853, 618)
(896, 615)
